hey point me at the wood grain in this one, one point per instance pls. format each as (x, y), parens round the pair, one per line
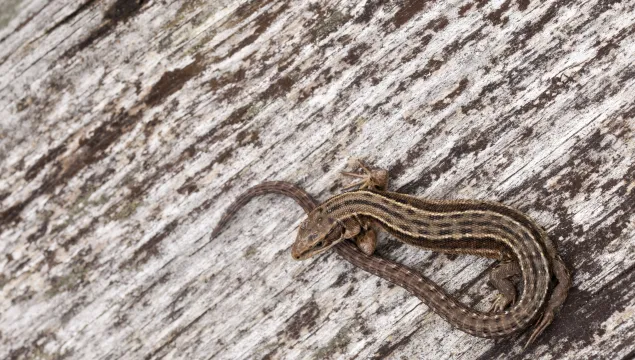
(127, 127)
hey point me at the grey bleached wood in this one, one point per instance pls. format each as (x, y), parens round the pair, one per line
(127, 126)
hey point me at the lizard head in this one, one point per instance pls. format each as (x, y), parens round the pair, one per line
(317, 233)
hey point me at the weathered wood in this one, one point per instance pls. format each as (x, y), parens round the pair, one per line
(128, 126)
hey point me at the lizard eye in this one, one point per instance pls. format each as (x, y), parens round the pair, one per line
(320, 244)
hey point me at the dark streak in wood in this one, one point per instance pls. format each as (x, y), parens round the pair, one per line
(407, 10)
(119, 11)
(150, 248)
(172, 81)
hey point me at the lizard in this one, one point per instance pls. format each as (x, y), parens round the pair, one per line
(482, 228)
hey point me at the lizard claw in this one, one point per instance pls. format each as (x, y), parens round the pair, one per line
(361, 184)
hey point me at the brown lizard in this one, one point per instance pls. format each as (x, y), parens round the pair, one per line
(419, 285)
(475, 227)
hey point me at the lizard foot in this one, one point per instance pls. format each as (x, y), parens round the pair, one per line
(500, 303)
(371, 179)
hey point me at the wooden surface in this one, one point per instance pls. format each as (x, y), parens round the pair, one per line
(128, 126)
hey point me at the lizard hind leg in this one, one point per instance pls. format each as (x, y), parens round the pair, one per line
(500, 277)
(371, 179)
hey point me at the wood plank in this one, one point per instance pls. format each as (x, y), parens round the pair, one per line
(128, 126)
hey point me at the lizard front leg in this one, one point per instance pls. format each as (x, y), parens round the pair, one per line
(360, 232)
(366, 241)
(371, 179)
